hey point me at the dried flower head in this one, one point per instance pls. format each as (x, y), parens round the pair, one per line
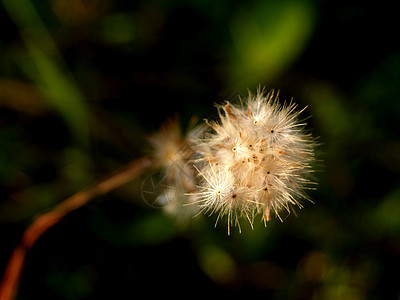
(169, 187)
(255, 160)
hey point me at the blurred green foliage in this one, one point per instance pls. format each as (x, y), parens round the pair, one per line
(44, 65)
(268, 38)
(82, 82)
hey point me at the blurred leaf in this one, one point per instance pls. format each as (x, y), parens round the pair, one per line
(47, 69)
(268, 39)
(60, 91)
(329, 110)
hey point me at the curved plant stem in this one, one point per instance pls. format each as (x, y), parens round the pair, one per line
(12, 274)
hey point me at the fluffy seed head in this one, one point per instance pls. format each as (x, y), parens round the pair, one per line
(255, 160)
(171, 155)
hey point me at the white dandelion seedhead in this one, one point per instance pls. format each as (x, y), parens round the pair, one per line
(255, 160)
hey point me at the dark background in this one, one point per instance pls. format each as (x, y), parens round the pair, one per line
(83, 82)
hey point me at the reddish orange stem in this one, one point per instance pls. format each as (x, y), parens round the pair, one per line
(12, 274)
